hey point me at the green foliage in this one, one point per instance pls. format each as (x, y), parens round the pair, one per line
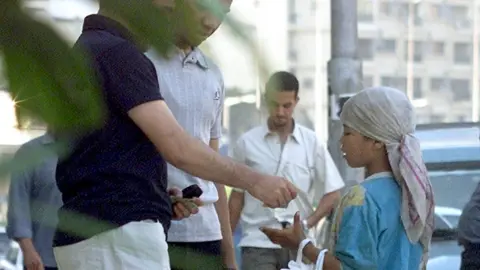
(45, 77)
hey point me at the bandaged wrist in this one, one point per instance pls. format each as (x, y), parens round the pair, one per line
(320, 259)
(304, 243)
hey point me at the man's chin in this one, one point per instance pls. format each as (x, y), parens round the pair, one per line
(280, 123)
(196, 41)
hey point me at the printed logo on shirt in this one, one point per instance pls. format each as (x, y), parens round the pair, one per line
(217, 95)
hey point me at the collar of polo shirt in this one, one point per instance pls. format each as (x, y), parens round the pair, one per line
(295, 134)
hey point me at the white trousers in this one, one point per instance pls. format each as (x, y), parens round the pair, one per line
(134, 246)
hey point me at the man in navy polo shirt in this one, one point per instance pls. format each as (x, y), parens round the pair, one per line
(117, 174)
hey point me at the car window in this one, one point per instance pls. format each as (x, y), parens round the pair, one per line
(12, 255)
(453, 188)
(440, 223)
(453, 220)
(4, 243)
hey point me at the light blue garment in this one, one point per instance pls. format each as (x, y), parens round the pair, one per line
(33, 201)
(368, 230)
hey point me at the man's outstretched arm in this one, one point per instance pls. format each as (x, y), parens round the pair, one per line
(194, 157)
(138, 96)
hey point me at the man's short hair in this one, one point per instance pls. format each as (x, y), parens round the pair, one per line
(282, 81)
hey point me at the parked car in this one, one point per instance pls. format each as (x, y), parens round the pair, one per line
(452, 155)
(13, 259)
(4, 241)
(444, 262)
(445, 251)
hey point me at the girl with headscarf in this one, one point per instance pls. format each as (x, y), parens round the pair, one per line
(386, 222)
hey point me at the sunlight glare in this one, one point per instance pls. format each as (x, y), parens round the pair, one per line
(9, 134)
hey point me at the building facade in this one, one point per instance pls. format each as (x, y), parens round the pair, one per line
(425, 47)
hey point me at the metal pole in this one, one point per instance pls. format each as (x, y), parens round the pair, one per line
(344, 76)
(410, 49)
(475, 69)
(321, 103)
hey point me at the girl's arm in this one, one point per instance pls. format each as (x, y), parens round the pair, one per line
(330, 262)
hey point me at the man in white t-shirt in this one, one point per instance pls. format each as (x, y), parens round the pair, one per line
(193, 88)
(282, 147)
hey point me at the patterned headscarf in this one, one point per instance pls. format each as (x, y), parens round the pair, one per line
(386, 114)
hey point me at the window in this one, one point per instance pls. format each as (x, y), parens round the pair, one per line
(438, 48)
(462, 53)
(438, 84)
(417, 88)
(417, 16)
(459, 16)
(293, 71)
(437, 118)
(459, 11)
(12, 255)
(439, 11)
(401, 10)
(367, 81)
(307, 83)
(460, 89)
(365, 11)
(4, 241)
(417, 51)
(387, 8)
(365, 49)
(440, 223)
(291, 6)
(387, 46)
(292, 13)
(396, 82)
(452, 220)
(292, 18)
(292, 55)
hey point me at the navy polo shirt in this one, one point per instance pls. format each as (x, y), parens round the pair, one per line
(115, 174)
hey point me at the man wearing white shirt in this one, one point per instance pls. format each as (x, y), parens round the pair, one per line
(193, 88)
(282, 147)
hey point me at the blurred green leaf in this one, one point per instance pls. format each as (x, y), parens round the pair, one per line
(156, 26)
(46, 78)
(187, 259)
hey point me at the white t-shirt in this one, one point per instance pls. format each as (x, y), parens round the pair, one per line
(193, 89)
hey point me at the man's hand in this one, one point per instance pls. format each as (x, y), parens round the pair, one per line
(32, 261)
(289, 237)
(273, 191)
(183, 208)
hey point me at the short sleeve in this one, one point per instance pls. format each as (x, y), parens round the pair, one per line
(19, 216)
(216, 131)
(238, 154)
(358, 231)
(128, 76)
(327, 170)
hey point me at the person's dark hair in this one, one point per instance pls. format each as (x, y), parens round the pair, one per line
(282, 81)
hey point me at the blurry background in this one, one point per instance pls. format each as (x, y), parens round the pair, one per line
(428, 48)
